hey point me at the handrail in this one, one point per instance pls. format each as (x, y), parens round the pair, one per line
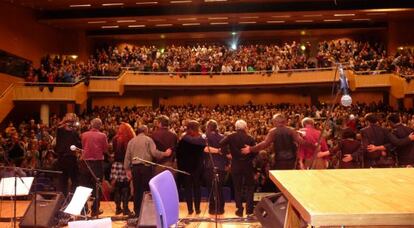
(7, 90)
(371, 72)
(234, 72)
(62, 84)
(104, 77)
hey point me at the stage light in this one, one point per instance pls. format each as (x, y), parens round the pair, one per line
(162, 50)
(303, 32)
(233, 46)
(302, 47)
(233, 33)
(162, 36)
(74, 57)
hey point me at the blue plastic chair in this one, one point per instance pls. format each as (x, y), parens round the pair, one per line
(165, 195)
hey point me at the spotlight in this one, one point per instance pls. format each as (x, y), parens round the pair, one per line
(233, 46)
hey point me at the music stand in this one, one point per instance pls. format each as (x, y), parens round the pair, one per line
(78, 201)
(13, 187)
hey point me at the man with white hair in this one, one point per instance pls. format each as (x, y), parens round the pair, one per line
(242, 169)
(95, 144)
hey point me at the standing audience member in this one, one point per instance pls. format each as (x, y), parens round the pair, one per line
(95, 144)
(67, 161)
(142, 147)
(242, 170)
(119, 178)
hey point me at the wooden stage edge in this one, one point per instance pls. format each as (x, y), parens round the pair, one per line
(6, 211)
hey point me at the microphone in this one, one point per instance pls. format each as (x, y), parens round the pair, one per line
(74, 148)
(346, 99)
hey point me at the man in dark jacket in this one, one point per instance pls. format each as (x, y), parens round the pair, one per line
(242, 170)
(375, 143)
(405, 153)
(164, 139)
(66, 136)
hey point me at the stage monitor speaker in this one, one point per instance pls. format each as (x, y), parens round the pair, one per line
(271, 211)
(47, 205)
(147, 215)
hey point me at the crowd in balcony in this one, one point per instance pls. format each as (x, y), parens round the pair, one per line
(220, 59)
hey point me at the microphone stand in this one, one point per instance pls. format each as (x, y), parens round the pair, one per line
(98, 186)
(331, 108)
(159, 165)
(214, 182)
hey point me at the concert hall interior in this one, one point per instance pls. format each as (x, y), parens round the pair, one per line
(267, 113)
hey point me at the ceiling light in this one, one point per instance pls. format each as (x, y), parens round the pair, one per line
(219, 23)
(281, 16)
(146, 3)
(96, 22)
(376, 14)
(387, 10)
(312, 15)
(80, 5)
(113, 4)
(136, 26)
(332, 20)
(187, 19)
(215, 0)
(234, 33)
(153, 20)
(247, 22)
(344, 15)
(304, 21)
(180, 1)
(361, 19)
(126, 21)
(249, 17)
(109, 26)
(275, 22)
(218, 18)
(163, 25)
(190, 24)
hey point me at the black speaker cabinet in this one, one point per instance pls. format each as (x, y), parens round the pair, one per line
(147, 214)
(47, 205)
(271, 211)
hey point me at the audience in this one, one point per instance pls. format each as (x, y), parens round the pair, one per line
(362, 57)
(31, 144)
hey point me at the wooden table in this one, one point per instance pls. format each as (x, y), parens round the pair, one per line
(351, 197)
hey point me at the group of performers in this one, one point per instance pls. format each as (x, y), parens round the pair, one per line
(206, 156)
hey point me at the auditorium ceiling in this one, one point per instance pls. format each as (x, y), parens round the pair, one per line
(135, 17)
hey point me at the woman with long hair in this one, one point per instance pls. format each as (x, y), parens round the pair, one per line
(118, 175)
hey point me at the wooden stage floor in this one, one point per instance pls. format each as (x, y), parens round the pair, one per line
(6, 211)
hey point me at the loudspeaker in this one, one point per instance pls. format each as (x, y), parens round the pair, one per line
(271, 211)
(147, 215)
(47, 205)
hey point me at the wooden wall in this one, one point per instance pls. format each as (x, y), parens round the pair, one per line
(231, 97)
(24, 36)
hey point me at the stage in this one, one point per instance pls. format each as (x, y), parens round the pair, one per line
(6, 211)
